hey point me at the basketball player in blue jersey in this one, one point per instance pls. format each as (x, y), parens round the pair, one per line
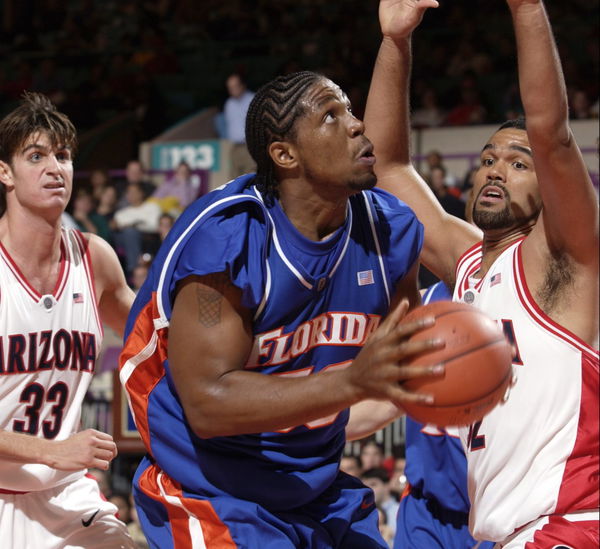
(533, 461)
(434, 509)
(247, 344)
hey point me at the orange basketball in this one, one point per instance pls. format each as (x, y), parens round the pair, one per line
(477, 358)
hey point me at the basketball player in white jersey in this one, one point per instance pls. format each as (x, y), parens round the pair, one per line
(533, 461)
(55, 286)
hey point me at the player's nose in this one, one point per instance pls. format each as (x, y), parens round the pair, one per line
(356, 127)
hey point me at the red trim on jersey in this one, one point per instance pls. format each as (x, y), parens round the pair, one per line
(539, 316)
(471, 260)
(579, 485)
(154, 482)
(147, 372)
(559, 532)
(64, 268)
(84, 248)
(35, 295)
(11, 492)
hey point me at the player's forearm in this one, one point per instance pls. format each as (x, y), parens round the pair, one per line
(541, 80)
(369, 416)
(244, 402)
(22, 448)
(387, 109)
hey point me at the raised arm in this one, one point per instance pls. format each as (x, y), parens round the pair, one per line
(570, 206)
(387, 125)
(210, 339)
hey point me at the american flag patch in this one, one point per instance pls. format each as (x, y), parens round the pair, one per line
(365, 277)
(496, 279)
(77, 298)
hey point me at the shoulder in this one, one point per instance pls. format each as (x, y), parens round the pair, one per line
(387, 204)
(103, 257)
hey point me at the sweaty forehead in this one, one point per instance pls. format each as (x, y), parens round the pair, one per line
(322, 91)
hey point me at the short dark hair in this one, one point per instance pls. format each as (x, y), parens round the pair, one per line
(271, 117)
(516, 123)
(36, 113)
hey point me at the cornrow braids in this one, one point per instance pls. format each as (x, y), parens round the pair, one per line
(271, 117)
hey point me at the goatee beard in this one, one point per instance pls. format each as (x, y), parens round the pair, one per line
(487, 220)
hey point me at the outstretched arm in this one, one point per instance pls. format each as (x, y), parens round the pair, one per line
(387, 125)
(570, 211)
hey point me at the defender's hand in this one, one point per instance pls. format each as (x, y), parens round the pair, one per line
(398, 18)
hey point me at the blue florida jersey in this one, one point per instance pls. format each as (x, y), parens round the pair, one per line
(314, 305)
(436, 466)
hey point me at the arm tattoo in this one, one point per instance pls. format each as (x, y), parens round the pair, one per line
(209, 299)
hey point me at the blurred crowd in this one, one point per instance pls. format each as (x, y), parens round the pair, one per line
(164, 59)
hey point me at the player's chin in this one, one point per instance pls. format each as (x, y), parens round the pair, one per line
(363, 182)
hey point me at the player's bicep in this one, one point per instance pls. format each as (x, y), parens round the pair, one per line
(209, 335)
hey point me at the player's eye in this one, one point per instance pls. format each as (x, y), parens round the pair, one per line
(519, 165)
(487, 162)
(329, 117)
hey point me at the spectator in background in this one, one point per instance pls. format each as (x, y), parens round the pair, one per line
(384, 528)
(98, 181)
(140, 272)
(351, 465)
(449, 201)
(134, 173)
(433, 159)
(398, 478)
(371, 456)
(165, 222)
(470, 108)
(176, 193)
(86, 217)
(579, 105)
(378, 480)
(234, 113)
(429, 114)
(137, 227)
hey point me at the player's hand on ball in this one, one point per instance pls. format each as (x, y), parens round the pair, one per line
(380, 368)
(89, 448)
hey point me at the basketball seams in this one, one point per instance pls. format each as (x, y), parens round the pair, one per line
(470, 350)
(478, 399)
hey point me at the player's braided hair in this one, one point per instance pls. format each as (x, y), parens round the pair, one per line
(271, 117)
(36, 113)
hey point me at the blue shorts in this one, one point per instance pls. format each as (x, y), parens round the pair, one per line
(423, 523)
(344, 517)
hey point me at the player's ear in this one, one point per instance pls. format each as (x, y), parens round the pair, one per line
(283, 155)
(5, 174)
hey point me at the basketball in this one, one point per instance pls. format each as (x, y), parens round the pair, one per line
(477, 359)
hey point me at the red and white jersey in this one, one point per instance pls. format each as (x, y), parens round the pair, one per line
(537, 453)
(48, 349)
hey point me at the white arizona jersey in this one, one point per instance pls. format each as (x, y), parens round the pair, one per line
(48, 349)
(537, 453)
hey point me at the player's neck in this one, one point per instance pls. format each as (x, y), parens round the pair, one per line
(32, 242)
(494, 243)
(314, 216)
